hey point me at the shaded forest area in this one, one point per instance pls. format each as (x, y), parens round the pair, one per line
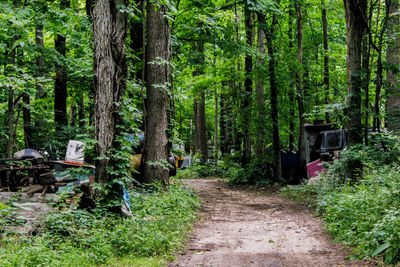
(232, 84)
(213, 76)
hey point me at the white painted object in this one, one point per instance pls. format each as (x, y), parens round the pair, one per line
(75, 152)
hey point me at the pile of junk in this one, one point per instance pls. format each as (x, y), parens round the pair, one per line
(323, 143)
(31, 172)
(29, 182)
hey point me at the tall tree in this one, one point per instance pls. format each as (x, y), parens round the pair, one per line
(248, 86)
(301, 143)
(40, 62)
(109, 25)
(366, 72)
(136, 42)
(393, 60)
(379, 74)
(60, 85)
(156, 73)
(260, 94)
(270, 35)
(355, 27)
(200, 104)
(326, 55)
(291, 83)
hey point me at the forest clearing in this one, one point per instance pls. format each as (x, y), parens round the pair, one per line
(114, 113)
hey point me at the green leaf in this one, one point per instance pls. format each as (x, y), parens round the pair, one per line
(380, 249)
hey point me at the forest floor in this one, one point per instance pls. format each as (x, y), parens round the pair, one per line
(248, 227)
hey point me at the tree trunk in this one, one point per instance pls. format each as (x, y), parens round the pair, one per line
(392, 75)
(301, 144)
(379, 80)
(326, 56)
(260, 95)
(156, 73)
(10, 141)
(81, 111)
(366, 77)
(109, 25)
(216, 129)
(366, 49)
(291, 87)
(237, 85)
(60, 87)
(355, 25)
(26, 114)
(11, 106)
(274, 95)
(136, 44)
(201, 127)
(222, 118)
(72, 115)
(248, 87)
(195, 135)
(274, 103)
(40, 62)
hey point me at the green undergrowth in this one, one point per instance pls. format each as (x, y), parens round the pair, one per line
(363, 213)
(258, 172)
(79, 238)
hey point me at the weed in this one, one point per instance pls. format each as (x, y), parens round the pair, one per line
(80, 238)
(363, 215)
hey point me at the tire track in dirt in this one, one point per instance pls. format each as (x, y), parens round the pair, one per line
(243, 227)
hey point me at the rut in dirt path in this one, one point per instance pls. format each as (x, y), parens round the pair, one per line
(256, 228)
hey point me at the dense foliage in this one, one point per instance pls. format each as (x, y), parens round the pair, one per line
(363, 214)
(240, 79)
(78, 237)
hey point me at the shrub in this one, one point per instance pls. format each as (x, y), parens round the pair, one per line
(363, 215)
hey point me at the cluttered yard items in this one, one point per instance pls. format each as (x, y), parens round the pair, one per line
(31, 172)
(323, 143)
(29, 182)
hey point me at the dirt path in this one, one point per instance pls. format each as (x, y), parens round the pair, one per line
(256, 228)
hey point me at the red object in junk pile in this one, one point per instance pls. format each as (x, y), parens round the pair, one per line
(314, 168)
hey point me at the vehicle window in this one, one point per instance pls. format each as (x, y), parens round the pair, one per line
(333, 140)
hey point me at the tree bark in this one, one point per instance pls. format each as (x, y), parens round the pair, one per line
(248, 87)
(216, 128)
(222, 124)
(26, 114)
(269, 35)
(109, 25)
(199, 106)
(201, 127)
(72, 115)
(156, 73)
(260, 95)
(11, 108)
(392, 75)
(196, 126)
(379, 77)
(11, 105)
(291, 91)
(326, 55)
(366, 77)
(301, 144)
(60, 86)
(40, 62)
(355, 27)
